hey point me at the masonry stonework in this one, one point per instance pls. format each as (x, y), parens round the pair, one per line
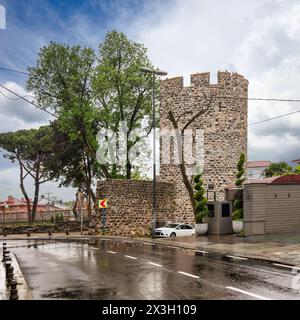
(224, 126)
(130, 205)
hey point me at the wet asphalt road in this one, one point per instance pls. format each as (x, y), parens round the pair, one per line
(55, 270)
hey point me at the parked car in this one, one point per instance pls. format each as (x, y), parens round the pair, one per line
(175, 230)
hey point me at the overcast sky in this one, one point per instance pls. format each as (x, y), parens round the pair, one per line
(259, 39)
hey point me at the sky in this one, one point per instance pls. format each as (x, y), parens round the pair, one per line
(259, 39)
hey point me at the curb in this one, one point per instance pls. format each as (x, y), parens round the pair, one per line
(24, 293)
(4, 292)
(210, 254)
(22, 285)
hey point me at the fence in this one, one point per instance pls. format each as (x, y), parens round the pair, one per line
(18, 217)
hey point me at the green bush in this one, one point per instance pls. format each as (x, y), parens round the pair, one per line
(238, 205)
(201, 208)
(240, 174)
(238, 214)
(52, 219)
(61, 218)
(57, 217)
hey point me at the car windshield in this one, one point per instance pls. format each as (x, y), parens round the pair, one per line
(172, 225)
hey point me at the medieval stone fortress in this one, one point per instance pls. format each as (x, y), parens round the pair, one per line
(224, 125)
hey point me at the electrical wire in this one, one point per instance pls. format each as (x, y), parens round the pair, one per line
(13, 70)
(217, 97)
(10, 98)
(277, 117)
(34, 104)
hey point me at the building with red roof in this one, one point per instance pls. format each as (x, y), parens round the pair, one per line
(15, 205)
(257, 169)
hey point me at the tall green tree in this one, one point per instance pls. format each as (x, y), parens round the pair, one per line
(200, 199)
(238, 204)
(278, 169)
(72, 166)
(33, 150)
(86, 94)
(13, 145)
(122, 91)
(61, 80)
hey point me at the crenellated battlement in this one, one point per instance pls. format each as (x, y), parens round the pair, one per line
(224, 129)
(202, 79)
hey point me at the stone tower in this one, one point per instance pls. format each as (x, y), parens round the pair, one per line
(224, 130)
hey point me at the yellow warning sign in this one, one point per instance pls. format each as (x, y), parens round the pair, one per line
(103, 203)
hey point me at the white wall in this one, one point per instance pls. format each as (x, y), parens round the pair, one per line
(256, 173)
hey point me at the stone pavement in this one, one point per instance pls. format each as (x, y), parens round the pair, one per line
(24, 291)
(281, 248)
(4, 293)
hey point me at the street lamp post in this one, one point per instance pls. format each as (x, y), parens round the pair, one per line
(154, 74)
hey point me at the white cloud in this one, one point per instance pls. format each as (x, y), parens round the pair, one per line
(194, 35)
(270, 56)
(16, 113)
(9, 185)
(259, 39)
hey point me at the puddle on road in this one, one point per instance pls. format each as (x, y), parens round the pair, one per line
(81, 293)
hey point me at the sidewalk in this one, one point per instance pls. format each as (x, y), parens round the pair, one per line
(24, 292)
(283, 249)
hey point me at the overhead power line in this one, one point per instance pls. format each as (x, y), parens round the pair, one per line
(256, 99)
(277, 117)
(274, 99)
(10, 98)
(13, 70)
(52, 114)
(34, 104)
(217, 97)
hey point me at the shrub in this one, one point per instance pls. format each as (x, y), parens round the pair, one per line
(52, 219)
(238, 205)
(57, 217)
(238, 214)
(201, 209)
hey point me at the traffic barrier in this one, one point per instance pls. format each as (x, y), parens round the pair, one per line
(13, 290)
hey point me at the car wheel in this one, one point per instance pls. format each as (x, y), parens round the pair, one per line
(173, 235)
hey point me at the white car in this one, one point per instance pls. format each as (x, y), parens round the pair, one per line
(175, 230)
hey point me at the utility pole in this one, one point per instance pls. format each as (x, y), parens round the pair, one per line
(80, 199)
(48, 197)
(154, 73)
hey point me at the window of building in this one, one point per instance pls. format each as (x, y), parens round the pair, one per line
(211, 210)
(225, 210)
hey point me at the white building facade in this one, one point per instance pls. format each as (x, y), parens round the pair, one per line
(256, 169)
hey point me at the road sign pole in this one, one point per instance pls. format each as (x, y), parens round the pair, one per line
(81, 217)
(103, 219)
(103, 205)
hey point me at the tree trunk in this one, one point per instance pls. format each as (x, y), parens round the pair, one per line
(187, 183)
(89, 209)
(88, 191)
(93, 196)
(36, 194)
(25, 193)
(128, 170)
(114, 171)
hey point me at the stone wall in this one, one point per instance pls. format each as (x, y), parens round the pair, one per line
(225, 130)
(21, 228)
(130, 205)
